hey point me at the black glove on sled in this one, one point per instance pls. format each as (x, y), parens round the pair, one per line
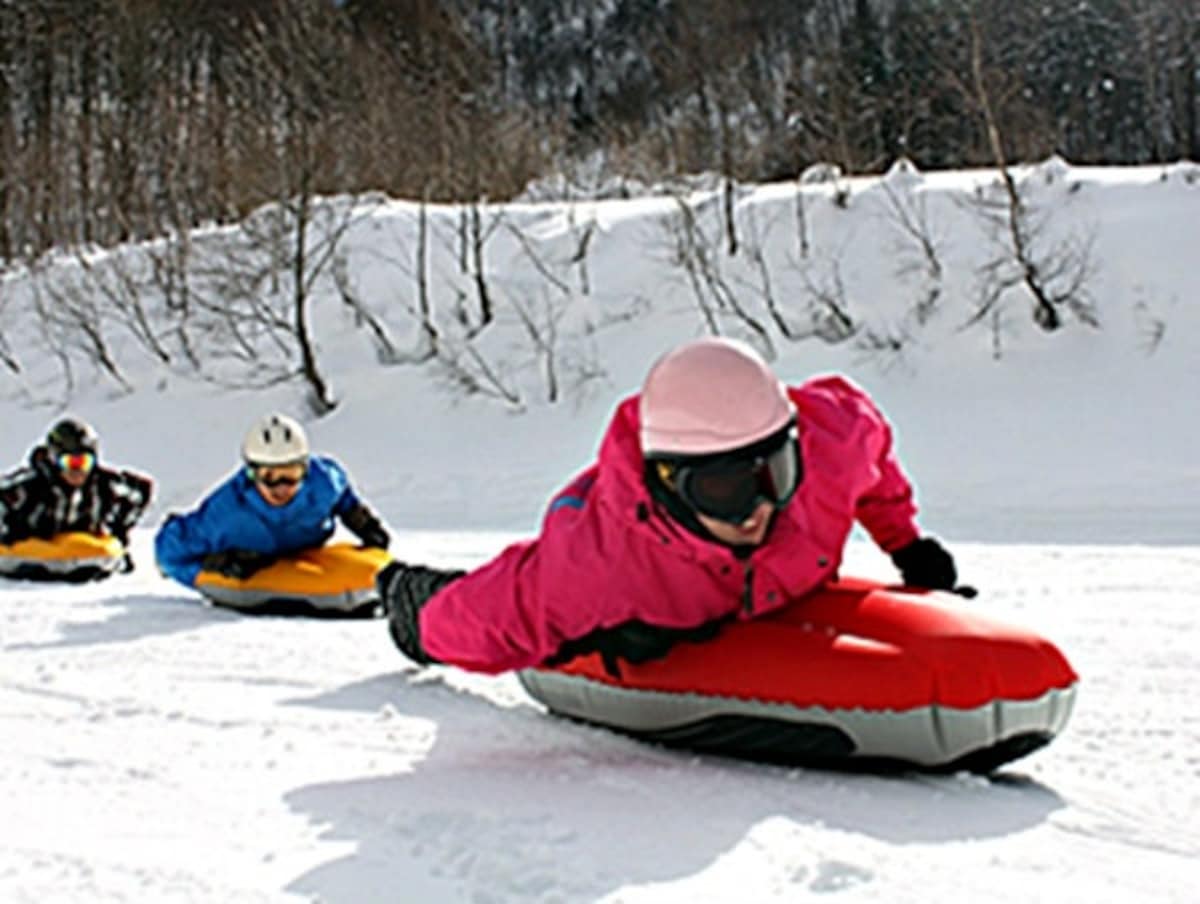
(15, 535)
(361, 522)
(925, 563)
(634, 641)
(238, 564)
(405, 589)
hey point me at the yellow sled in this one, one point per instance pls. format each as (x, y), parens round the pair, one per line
(338, 579)
(72, 556)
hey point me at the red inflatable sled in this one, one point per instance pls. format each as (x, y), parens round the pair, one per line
(335, 581)
(854, 676)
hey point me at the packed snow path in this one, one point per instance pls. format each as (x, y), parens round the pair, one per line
(155, 749)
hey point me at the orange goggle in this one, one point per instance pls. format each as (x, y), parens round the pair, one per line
(76, 461)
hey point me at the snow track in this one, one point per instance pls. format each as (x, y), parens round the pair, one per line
(158, 750)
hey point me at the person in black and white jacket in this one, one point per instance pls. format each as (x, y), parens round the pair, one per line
(63, 487)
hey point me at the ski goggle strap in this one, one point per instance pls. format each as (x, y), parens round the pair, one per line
(75, 461)
(729, 488)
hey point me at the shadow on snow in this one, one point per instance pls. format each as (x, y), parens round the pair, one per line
(133, 617)
(512, 804)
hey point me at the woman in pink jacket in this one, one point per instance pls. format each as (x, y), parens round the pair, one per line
(719, 493)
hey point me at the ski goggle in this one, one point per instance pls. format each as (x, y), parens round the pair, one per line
(730, 487)
(275, 476)
(75, 461)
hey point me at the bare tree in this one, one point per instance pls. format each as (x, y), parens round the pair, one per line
(542, 328)
(910, 216)
(829, 314)
(113, 280)
(71, 319)
(476, 236)
(802, 243)
(305, 127)
(465, 369)
(429, 330)
(762, 282)
(534, 256)
(693, 252)
(580, 257)
(7, 356)
(386, 351)
(1055, 276)
(562, 358)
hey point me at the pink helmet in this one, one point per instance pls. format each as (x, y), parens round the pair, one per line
(710, 395)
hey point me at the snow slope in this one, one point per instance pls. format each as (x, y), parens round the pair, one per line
(154, 749)
(157, 750)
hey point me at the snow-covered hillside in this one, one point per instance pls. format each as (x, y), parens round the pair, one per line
(155, 749)
(1012, 433)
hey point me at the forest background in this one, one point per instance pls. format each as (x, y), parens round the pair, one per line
(125, 120)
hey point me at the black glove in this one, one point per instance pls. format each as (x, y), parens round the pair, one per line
(126, 565)
(17, 533)
(361, 521)
(405, 589)
(141, 485)
(925, 563)
(238, 564)
(634, 641)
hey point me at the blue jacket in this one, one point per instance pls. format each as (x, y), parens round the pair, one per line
(235, 516)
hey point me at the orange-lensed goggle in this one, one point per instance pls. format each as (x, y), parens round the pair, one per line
(76, 461)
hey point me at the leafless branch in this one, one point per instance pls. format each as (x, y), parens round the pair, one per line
(113, 282)
(71, 318)
(764, 289)
(694, 254)
(463, 367)
(385, 349)
(538, 263)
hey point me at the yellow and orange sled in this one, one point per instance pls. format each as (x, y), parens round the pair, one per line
(338, 579)
(72, 557)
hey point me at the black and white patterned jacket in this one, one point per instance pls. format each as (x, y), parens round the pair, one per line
(36, 502)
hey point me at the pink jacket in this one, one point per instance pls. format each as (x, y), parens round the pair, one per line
(608, 552)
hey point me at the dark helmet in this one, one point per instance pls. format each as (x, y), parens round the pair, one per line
(71, 436)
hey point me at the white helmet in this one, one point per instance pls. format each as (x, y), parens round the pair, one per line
(275, 440)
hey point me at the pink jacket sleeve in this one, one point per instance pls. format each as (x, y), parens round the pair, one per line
(518, 609)
(885, 506)
(887, 510)
(490, 620)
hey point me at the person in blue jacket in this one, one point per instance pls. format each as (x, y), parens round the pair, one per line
(281, 501)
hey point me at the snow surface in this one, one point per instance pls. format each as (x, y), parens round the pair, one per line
(155, 749)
